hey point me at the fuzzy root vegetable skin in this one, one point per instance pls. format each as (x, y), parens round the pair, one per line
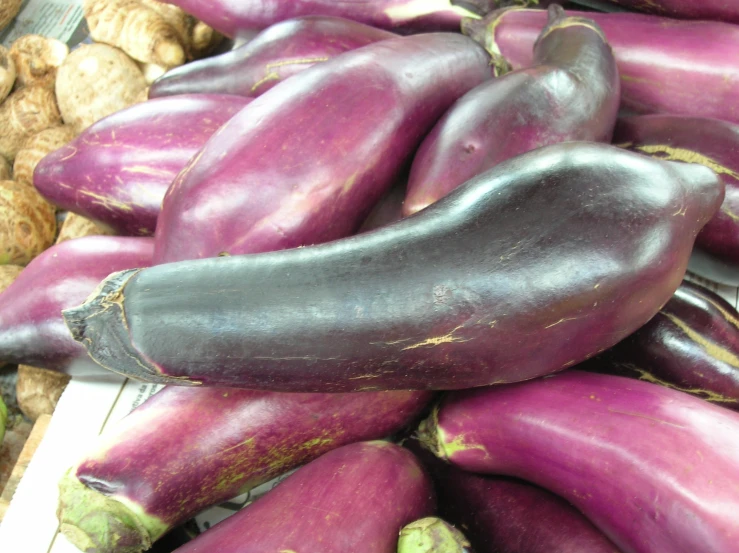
(655, 469)
(233, 441)
(37, 59)
(407, 315)
(7, 73)
(27, 223)
(24, 113)
(375, 102)
(355, 498)
(36, 147)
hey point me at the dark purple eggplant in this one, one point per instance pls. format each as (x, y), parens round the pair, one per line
(710, 142)
(277, 53)
(432, 535)
(716, 10)
(352, 499)
(666, 65)
(534, 266)
(656, 470)
(117, 171)
(186, 449)
(692, 345)
(571, 92)
(32, 331)
(306, 163)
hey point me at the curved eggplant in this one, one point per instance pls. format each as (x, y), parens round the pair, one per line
(279, 52)
(513, 275)
(305, 163)
(654, 469)
(117, 171)
(710, 142)
(692, 345)
(570, 93)
(32, 331)
(666, 65)
(186, 449)
(716, 10)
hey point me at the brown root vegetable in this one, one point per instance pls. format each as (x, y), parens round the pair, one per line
(177, 18)
(204, 39)
(24, 113)
(8, 10)
(6, 171)
(137, 29)
(7, 73)
(77, 226)
(39, 390)
(151, 71)
(95, 81)
(8, 274)
(27, 223)
(37, 59)
(37, 147)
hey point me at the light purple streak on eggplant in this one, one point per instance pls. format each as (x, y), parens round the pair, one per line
(306, 162)
(118, 170)
(666, 65)
(281, 51)
(32, 330)
(355, 498)
(571, 93)
(655, 469)
(711, 142)
(717, 10)
(234, 16)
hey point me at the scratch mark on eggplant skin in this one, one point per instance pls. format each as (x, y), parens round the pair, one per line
(438, 340)
(304, 358)
(563, 320)
(640, 416)
(391, 343)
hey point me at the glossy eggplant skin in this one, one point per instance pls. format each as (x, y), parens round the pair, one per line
(666, 65)
(32, 331)
(654, 469)
(571, 92)
(692, 345)
(711, 142)
(306, 162)
(186, 449)
(277, 53)
(511, 276)
(117, 171)
(355, 498)
(716, 10)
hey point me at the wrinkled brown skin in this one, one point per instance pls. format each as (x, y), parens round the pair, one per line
(305, 163)
(692, 345)
(277, 53)
(534, 266)
(570, 93)
(711, 142)
(355, 498)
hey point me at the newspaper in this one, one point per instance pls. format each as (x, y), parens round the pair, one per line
(60, 19)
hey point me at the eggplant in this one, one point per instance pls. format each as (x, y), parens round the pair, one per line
(666, 65)
(571, 92)
(692, 345)
(306, 162)
(231, 18)
(354, 498)
(277, 53)
(432, 535)
(117, 171)
(32, 331)
(654, 469)
(534, 266)
(710, 142)
(185, 449)
(717, 10)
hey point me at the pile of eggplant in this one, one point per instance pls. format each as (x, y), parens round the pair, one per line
(432, 255)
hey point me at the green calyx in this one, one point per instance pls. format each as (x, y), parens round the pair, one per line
(432, 535)
(3, 419)
(96, 523)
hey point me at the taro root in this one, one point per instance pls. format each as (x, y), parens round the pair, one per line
(27, 223)
(37, 59)
(24, 113)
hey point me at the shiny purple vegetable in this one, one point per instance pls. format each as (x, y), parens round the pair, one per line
(117, 171)
(186, 449)
(717, 10)
(692, 344)
(277, 53)
(655, 469)
(352, 499)
(710, 142)
(666, 65)
(545, 260)
(571, 92)
(306, 162)
(32, 331)
(231, 17)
